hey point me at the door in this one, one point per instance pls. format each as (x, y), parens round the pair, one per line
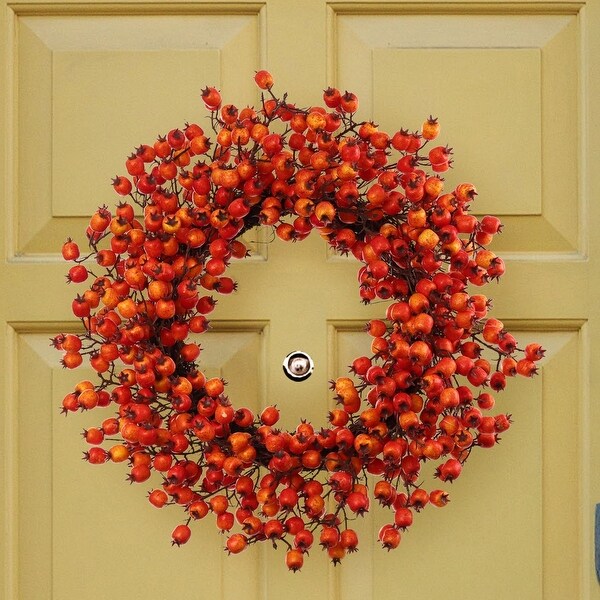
(512, 85)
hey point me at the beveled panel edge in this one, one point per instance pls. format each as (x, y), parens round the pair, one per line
(476, 7)
(35, 257)
(575, 326)
(227, 325)
(16, 256)
(50, 257)
(516, 324)
(52, 328)
(25, 327)
(584, 147)
(10, 135)
(586, 432)
(335, 9)
(10, 468)
(514, 256)
(133, 8)
(10, 448)
(256, 326)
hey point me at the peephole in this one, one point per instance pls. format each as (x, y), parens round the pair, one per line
(298, 366)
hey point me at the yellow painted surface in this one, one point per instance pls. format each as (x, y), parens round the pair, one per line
(78, 94)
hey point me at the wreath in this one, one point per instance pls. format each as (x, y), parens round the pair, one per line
(424, 394)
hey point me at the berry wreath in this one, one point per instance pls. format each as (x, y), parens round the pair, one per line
(421, 396)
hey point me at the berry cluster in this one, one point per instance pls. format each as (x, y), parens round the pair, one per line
(437, 359)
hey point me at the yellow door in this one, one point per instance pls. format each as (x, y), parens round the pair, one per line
(513, 86)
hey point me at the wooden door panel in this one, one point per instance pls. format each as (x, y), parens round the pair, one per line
(104, 84)
(508, 512)
(487, 71)
(522, 154)
(83, 530)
